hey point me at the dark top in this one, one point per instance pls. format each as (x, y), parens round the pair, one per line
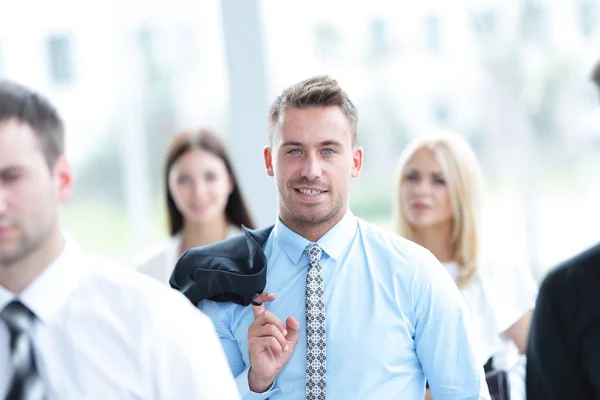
(563, 358)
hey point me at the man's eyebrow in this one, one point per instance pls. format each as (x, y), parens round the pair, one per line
(331, 142)
(291, 143)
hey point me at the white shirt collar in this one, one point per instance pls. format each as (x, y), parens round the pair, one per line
(46, 295)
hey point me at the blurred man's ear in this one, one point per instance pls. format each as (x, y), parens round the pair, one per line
(64, 178)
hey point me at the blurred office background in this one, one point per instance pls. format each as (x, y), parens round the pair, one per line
(513, 76)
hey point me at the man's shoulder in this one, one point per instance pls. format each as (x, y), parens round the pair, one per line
(156, 254)
(114, 281)
(388, 240)
(392, 250)
(142, 302)
(575, 273)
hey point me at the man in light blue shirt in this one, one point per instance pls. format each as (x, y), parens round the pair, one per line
(368, 315)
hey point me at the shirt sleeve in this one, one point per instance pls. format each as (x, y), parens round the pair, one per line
(443, 337)
(189, 362)
(511, 292)
(232, 351)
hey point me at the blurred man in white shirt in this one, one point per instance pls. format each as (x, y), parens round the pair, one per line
(72, 326)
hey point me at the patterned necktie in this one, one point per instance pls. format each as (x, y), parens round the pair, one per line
(315, 326)
(26, 382)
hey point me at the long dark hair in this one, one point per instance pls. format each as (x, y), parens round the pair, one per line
(236, 211)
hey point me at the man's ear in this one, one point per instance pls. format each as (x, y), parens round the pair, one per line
(63, 176)
(357, 160)
(268, 160)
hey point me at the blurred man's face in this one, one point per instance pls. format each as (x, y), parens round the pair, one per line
(312, 159)
(30, 193)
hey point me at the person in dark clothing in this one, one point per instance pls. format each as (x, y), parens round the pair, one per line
(563, 358)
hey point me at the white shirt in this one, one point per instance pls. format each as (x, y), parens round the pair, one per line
(107, 332)
(497, 298)
(159, 261)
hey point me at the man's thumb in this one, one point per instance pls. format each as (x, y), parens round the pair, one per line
(292, 327)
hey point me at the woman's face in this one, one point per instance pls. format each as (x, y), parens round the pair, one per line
(200, 186)
(424, 196)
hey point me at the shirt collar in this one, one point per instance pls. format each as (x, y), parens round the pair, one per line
(50, 290)
(333, 242)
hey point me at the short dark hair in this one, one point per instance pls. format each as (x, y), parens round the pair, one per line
(318, 91)
(236, 211)
(28, 107)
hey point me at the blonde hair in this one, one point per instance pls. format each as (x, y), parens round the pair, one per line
(464, 181)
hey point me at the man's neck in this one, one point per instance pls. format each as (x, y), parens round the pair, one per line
(313, 231)
(17, 276)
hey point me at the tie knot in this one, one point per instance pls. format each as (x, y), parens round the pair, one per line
(314, 254)
(17, 316)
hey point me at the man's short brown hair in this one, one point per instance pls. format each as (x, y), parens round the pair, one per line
(318, 91)
(30, 108)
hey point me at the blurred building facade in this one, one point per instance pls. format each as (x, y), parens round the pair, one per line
(512, 76)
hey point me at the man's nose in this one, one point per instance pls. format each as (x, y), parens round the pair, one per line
(312, 168)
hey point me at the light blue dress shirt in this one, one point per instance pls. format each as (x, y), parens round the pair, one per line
(394, 317)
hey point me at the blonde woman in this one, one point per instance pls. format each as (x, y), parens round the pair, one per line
(439, 188)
